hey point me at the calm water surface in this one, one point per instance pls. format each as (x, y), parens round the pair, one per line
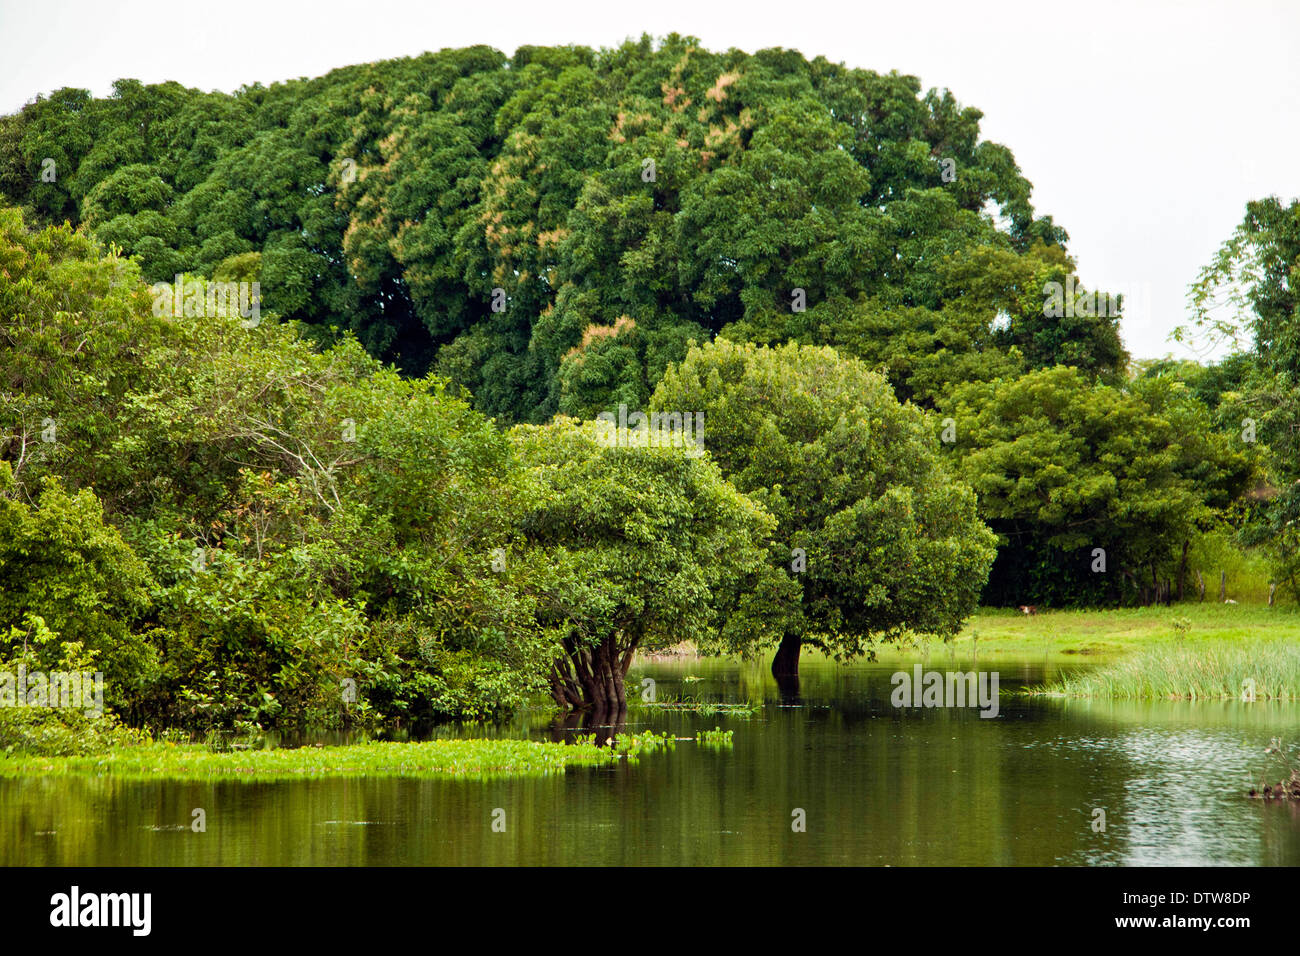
(878, 786)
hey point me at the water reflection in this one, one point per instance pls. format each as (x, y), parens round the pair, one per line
(600, 723)
(878, 785)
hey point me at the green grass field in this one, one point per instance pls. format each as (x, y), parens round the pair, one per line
(1095, 635)
(1186, 651)
(1113, 633)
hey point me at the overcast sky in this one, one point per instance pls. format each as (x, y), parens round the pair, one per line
(1143, 125)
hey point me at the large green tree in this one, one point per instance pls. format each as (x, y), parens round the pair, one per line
(870, 522)
(550, 229)
(633, 547)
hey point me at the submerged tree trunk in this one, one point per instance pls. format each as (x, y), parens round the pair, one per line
(593, 677)
(785, 668)
(786, 662)
(601, 726)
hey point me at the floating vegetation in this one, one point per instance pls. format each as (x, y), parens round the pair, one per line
(630, 746)
(453, 758)
(716, 738)
(705, 708)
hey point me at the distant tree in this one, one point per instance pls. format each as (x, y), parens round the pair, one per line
(1256, 275)
(1248, 296)
(550, 230)
(1093, 490)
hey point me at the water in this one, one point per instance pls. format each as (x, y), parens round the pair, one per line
(877, 786)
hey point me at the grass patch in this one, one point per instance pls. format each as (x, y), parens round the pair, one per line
(435, 758)
(1102, 634)
(1202, 671)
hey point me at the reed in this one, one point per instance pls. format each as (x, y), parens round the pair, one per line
(1254, 670)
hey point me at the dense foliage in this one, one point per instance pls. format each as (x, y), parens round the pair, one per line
(550, 229)
(1249, 294)
(301, 518)
(1096, 491)
(870, 522)
(348, 469)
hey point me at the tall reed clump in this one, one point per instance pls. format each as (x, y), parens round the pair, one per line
(1256, 670)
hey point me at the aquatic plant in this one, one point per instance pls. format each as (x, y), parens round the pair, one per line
(716, 738)
(457, 758)
(705, 708)
(1250, 671)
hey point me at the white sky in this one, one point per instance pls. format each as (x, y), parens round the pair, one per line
(1143, 125)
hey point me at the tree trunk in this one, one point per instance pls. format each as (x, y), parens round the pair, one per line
(593, 690)
(1140, 592)
(593, 678)
(564, 685)
(785, 668)
(613, 698)
(786, 662)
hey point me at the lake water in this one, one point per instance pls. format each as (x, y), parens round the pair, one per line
(877, 786)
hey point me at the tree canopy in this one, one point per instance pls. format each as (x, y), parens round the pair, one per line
(550, 229)
(868, 517)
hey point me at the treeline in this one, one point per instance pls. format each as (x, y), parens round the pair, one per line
(242, 530)
(891, 351)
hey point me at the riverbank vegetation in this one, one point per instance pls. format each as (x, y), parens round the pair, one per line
(314, 398)
(1254, 669)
